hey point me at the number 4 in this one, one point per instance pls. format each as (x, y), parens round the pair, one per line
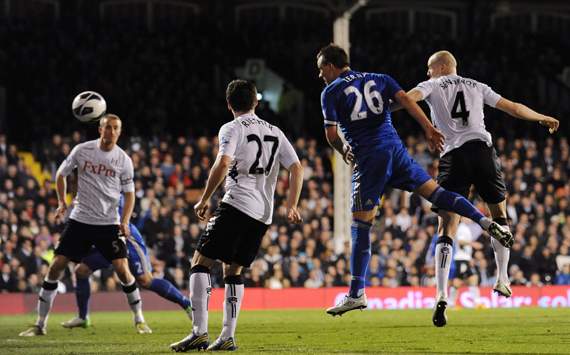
(462, 113)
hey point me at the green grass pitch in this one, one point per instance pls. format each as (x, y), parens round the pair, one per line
(516, 331)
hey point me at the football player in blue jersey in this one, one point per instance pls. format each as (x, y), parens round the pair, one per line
(359, 104)
(139, 264)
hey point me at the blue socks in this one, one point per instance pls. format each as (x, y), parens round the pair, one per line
(360, 256)
(166, 290)
(453, 202)
(82, 294)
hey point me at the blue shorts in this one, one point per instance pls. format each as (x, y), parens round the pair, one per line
(385, 165)
(139, 262)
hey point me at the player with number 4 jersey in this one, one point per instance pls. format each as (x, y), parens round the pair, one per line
(468, 158)
(358, 104)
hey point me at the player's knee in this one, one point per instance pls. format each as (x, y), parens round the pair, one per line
(199, 268)
(233, 279)
(444, 239)
(82, 271)
(144, 280)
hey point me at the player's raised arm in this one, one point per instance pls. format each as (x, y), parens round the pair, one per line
(217, 175)
(523, 112)
(434, 137)
(338, 144)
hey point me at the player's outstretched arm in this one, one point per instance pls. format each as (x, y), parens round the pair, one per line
(337, 143)
(415, 94)
(295, 185)
(434, 137)
(523, 112)
(217, 175)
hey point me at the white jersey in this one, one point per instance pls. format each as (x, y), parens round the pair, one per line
(465, 252)
(102, 176)
(257, 148)
(456, 106)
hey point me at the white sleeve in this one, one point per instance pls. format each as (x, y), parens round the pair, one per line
(489, 96)
(69, 163)
(425, 87)
(127, 183)
(287, 155)
(228, 138)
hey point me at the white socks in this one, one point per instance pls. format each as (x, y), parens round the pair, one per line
(502, 259)
(443, 254)
(45, 301)
(134, 299)
(233, 297)
(200, 290)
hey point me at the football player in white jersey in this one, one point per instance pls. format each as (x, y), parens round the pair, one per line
(104, 172)
(468, 158)
(251, 150)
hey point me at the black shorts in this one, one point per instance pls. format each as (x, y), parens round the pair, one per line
(232, 236)
(78, 238)
(474, 163)
(463, 270)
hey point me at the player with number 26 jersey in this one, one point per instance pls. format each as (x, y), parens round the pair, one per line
(359, 104)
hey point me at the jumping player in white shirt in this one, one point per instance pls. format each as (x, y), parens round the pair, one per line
(252, 150)
(104, 172)
(468, 158)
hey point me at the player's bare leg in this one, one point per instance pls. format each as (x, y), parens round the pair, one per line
(502, 254)
(82, 295)
(47, 295)
(200, 291)
(359, 259)
(234, 291)
(130, 288)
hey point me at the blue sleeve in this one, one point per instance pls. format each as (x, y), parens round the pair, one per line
(136, 234)
(329, 111)
(391, 87)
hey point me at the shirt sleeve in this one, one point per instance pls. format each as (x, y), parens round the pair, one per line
(425, 87)
(127, 183)
(228, 138)
(287, 155)
(329, 110)
(490, 97)
(69, 163)
(391, 87)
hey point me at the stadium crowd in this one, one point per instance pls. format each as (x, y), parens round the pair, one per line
(167, 80)
(170, 171)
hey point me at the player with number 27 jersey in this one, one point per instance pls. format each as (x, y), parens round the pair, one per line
(257, 148)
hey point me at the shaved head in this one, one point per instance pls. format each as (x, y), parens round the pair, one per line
(441, 63)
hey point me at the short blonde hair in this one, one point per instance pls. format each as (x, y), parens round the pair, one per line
(108, 116)
(444, 57)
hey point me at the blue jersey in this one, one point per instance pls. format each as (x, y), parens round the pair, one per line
(360, 104)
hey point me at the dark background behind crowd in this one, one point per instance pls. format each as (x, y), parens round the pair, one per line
(166, 80)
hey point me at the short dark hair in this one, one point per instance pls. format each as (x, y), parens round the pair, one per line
(241, 95)
(334, 55)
